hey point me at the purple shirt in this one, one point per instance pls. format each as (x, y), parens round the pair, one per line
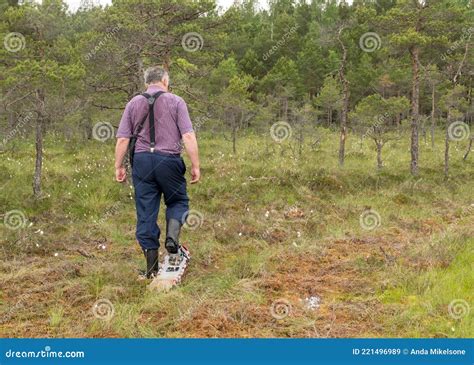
(171, 122)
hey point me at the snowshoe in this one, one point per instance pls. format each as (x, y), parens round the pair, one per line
(171, 271)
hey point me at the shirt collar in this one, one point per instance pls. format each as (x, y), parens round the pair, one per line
(154, 88)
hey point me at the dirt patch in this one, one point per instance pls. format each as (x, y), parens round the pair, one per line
(347, 308)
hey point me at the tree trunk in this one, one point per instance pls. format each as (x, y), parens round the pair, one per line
(398, 117)
(39, 157)
(469, 147)
(300, 141)
(414, 51)
(140, 78)
(167, 60)
(342, 144)
(234, 138)
(423, 131)
(11, 121)
(88, 129)
(432, 115)
(39, 143)
(345, 102)
(446, 147)
(379, 154)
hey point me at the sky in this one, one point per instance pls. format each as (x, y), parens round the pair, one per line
(74, 4)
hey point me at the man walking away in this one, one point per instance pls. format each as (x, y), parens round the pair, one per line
(157, 164)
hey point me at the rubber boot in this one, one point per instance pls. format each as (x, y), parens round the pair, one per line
(151, 263)
(173, 228)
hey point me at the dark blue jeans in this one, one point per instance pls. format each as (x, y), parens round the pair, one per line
(155, 174)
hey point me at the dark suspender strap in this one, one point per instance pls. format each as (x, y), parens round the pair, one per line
(142, 123)
(151, 118)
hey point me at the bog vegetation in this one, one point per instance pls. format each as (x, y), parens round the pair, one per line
(337, 177)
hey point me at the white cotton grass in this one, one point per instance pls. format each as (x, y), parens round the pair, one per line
(312, 302)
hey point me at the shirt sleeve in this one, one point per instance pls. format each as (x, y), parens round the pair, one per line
(125, 129)
(183, 120)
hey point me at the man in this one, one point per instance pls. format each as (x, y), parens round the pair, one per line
(157, 165)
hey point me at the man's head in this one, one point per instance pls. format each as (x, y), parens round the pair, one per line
(157, 75)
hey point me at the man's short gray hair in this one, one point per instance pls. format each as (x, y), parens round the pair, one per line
(155, 74)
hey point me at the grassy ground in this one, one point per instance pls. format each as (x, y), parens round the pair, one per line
(279, 231)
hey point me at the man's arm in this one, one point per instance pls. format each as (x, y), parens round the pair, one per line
(124, 132)
(191, 147)
(120, 151)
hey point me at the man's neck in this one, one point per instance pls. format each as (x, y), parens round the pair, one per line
(159, 85)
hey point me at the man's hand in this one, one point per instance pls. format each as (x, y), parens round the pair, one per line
(120, 151)
(195, 174)
(120, 174)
